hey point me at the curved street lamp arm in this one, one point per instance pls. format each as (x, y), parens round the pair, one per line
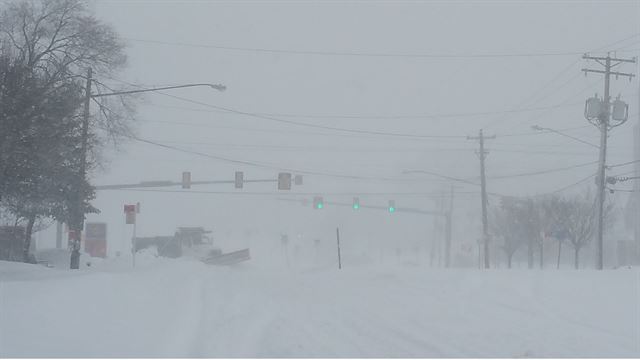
(213, 86)
(539, 128)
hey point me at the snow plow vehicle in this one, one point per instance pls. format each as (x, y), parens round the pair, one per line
(192, 242)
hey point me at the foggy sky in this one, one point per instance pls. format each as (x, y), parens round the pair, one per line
(320, 85)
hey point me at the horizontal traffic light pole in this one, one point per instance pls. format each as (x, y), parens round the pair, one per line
(373, 207)
(152, 184)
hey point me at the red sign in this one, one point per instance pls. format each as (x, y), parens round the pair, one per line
(129, 208)
(95, 243)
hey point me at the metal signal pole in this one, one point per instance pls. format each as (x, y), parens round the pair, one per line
(604, 124)
(483, 183)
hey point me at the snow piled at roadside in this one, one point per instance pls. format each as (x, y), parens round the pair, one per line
(182, 308)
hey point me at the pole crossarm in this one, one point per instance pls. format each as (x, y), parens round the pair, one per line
(610, 72)
(601, 58)
(213, 86)
(478, 138)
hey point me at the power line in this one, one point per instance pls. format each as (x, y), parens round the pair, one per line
(446, 177)
(544, 171)
(383, 117)
(535, 94)
(557, 76)
(360, 131)
(623, 164)
(261, 165)
(290, 122)
(530, 133)
(571, 185)
(364, 54)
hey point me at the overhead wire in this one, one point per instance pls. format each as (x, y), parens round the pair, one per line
(535, 94)
(364, 54)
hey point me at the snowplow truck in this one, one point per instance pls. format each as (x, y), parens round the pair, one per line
(195, 242)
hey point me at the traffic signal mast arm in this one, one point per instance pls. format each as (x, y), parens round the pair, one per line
(385, 208)
(152, 184)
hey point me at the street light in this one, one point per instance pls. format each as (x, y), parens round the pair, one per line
(77, 217)
(218, 87)
(539, 128)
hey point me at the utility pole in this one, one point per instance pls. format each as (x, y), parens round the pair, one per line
(58, 235)
(636, 191)
(76, 225)
(448, 220)
(338, 239)
(636, 188)
(604, 124)
(435, 237)
(483, 184)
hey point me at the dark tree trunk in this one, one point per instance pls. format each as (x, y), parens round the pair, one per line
(559, 253)
(27, 238)
(576, 257)
(509, 257)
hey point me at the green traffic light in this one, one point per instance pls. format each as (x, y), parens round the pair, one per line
(356, 206)
(392, 209)
(320, 206)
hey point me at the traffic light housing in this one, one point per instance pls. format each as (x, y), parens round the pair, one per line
(318, 203)
(392, 206)
(186, 180)
(284, 181)
(239, 181)
(356, 203)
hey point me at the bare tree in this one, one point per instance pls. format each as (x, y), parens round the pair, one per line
(45, 50)
(508, 223)
(59, 40)
(575, 218)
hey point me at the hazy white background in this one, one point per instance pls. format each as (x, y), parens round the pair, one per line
(317, 85)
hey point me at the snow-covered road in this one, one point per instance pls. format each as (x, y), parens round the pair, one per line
(168, 308)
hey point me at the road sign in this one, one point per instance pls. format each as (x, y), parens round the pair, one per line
(130, 212)
(131, 217)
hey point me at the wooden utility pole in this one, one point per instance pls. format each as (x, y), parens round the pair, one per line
(76, 225)
(338, 238)
(636, 193)
(604, 124)
(483, 184)
(448, 225)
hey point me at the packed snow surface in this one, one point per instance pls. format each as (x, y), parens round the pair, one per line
(182, 308)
